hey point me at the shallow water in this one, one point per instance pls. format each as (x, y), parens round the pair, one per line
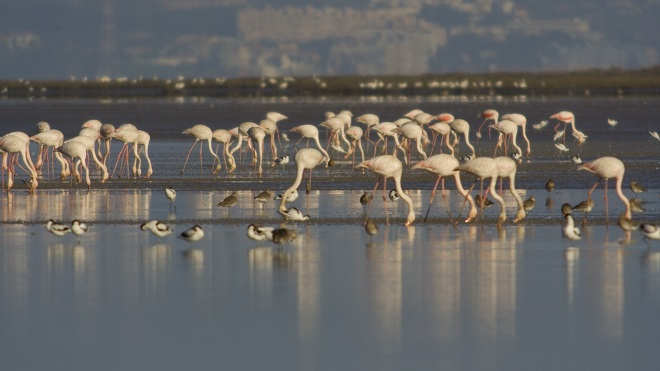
(441, 294)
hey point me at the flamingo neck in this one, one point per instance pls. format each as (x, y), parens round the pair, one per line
(619, 182)
(411, 213)
(293, 187)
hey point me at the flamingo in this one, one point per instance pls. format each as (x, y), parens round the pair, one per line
(336, 126)
(106, 131)
(306, 158)
(345, 116)
(445, 165)
(143, 140)
(384, 130)
(354, 133)
(223, 136)
(258, 134)
(42, 126)
(484, 168)
(608, 167)
(411, 131)
(270, 127)
(488, 115)
(386, 166)
(129, 135)
(16, 143)
(242, 132)
(567, 118)
(506, 168)
(76, 151)
(443, 130)
(460, 126)
(521, 121)
(370, 120)
(200, 132)
(507, 129)
(311, 132)
(88, 142)
(50, 138)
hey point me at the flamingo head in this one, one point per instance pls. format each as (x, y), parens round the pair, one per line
(520, 215)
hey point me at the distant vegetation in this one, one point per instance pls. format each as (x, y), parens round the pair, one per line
(590, 82)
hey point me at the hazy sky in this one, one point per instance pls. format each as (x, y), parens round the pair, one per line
(167, 38)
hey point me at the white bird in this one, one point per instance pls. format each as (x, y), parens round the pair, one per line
(78, 228)
(285, 137)
(292, 196)
(170, 193)
(540, 125)
(393, 195)
(260, 233)
(558, 135)
(576, 159)
(294, 215)
(650, 231)
(612, 122)
(654, 134)
(561, 147)
(156, 227)
(282, 160)
(193, 234)
(570, 230)
(56, 228)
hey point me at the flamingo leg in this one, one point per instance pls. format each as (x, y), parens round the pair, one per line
(372, 199)
(387, 209)
(186, 162)
(432, 196)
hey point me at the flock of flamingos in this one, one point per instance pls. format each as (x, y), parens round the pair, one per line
(408, 133)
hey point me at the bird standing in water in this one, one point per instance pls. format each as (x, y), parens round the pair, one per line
(529, 203)
(570, 230)
(170, 193)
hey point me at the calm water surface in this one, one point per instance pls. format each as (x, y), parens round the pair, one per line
(430, 296)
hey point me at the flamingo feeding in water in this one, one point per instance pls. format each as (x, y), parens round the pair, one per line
(311, 132)
(200, 132)
(386, 166)
(445, 165)
(484, 168)
(608, 167)
(306, 158)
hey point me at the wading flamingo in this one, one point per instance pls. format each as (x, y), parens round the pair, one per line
(201, 133)
(386, 166)
(608, 167)
(445, 165)
(306, 158)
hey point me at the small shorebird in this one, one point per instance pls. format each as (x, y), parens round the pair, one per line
(193, 234)
(264, 196)
(465, 158)
(260, 233)
(486, 201)
(636, 205)
(170, 193)
(650, 231)
(654, 134)
(156, 227)
(229, 201)
(561, 147)
(549, 186)
(586, 207)
(294, 215)
(56, 228)
(626, 224)
(612, 122)
(566, 209)
(371, 227)
(576, 159)
(393, 195)
(283, 235)
(529, 204)
(570, 230)
(636, 187)
(282, 160)
(78, 228)
(365, 199)
(292, 196)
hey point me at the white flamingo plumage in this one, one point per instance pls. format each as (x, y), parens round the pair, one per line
(306, 158)
(608, 167)
(311, 132)
(445, 165)
(386, 166)
(201, 133)
(484, 168)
